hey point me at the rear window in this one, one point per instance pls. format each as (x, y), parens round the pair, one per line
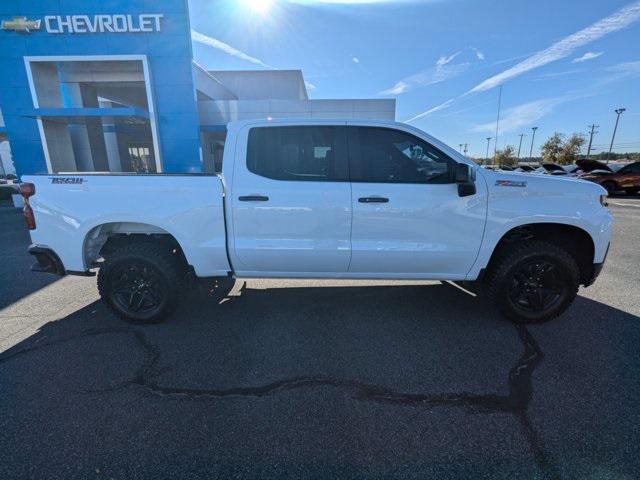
(300, 153)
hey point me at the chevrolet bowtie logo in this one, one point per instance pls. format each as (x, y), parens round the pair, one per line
(21, 24)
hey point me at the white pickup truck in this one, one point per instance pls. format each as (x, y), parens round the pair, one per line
(323, 199)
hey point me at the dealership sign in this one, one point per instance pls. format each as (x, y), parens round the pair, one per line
(118, 23)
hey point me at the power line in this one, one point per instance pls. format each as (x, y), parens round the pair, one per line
(533, 135)
(593, 127)
(520, 144)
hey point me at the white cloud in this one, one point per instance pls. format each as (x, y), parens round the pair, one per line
(442, 106)
(355, 60)
(616, 21)
(479, 54)
(521, 115)
(561, 49)
(443, 70)
(444, 60)
(215, 43)
(626, 68)
(351, 2)
(587, 56)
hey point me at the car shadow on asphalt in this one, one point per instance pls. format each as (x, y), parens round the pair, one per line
(415, 346)
(15, 266)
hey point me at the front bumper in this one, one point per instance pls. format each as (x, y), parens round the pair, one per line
(46, 261)
(597, 268)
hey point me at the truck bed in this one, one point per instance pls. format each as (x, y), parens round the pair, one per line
(73, 209)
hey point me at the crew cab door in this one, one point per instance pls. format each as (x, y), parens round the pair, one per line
(291, 201)
(408, 218)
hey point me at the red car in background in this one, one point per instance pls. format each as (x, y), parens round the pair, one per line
(626, 178)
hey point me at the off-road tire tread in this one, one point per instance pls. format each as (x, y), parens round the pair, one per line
(171, 265)
(506, 259)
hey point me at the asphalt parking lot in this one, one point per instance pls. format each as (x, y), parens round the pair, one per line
(319, 379)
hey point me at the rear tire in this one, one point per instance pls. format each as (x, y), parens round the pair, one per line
(532, 281)
(610, 187)
(142, 282)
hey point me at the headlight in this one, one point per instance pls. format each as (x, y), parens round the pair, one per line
(603, 201)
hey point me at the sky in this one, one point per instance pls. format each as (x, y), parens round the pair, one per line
(560, 65)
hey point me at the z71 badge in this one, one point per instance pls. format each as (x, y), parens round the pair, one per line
(510, 183)
(67, 180)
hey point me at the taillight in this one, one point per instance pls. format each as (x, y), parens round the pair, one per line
(28, 190)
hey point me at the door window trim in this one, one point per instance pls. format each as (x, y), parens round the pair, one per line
(341, 150)
(350, 137)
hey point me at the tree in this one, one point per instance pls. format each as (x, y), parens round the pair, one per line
(505, 156)
(558, 150)
(571, 149)
(552, 148)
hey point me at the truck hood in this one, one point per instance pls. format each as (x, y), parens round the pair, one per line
(540, 183)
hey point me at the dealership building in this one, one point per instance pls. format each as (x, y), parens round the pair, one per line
(113, 87)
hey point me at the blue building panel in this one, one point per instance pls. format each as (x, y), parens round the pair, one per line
(167, 49)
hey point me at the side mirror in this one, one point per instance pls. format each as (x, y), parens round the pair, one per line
(465, 178)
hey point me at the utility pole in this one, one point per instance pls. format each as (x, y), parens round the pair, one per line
(618, 112)
(466, 149)
(460, 145)
(495, 145)
(533, 135)
(520, 144)
(593, 127)
(488, 142)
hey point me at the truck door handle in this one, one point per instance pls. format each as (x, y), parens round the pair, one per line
(253, 198)
(373, 200)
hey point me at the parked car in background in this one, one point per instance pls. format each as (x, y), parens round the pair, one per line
(572, 170)
(626, 178)
(553, 168)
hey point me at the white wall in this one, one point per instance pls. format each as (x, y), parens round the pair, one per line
(220, 112)
(263, 84)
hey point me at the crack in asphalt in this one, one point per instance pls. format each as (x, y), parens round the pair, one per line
(516, 402)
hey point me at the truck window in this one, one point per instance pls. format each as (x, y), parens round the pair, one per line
(385, 155)
(305, 153)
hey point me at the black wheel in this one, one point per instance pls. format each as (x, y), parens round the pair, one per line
(610, 187)
(532, 281)
(142, 282)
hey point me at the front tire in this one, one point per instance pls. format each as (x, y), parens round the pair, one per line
(142, 282)
(532, 281)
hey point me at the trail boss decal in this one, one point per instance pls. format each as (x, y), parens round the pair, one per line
(67, 180)
(510, 183)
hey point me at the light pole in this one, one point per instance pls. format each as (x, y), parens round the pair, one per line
(533, 135)
(460, 145)
(488, 142)
(618, 112)
(520, 144)
(466, 149)
(495, 145)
